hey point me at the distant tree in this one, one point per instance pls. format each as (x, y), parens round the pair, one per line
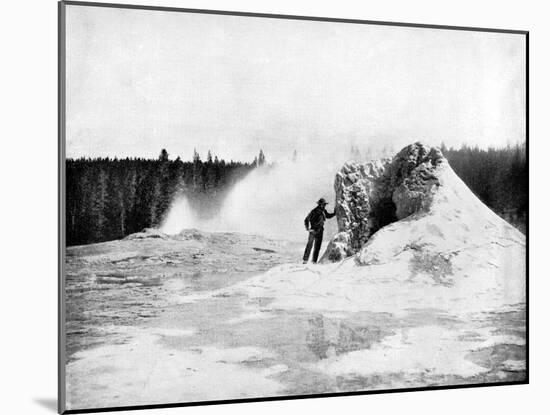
(196, 156)
(261, 158)
(164, 180)
(130, 178)
(197, 172)
(115, 211)
(99, 192)
(163, 155)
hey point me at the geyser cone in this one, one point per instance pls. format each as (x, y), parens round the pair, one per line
(442, 249)
(413, 202)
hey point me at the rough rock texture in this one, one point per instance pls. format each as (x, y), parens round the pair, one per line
(414, 179)
(375, 194)
(363, 205)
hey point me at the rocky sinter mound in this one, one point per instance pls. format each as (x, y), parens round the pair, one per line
(372, 195)
(412, 236)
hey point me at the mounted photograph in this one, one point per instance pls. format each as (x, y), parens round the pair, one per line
(258, 207)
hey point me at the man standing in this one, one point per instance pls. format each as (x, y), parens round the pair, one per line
(315, 223)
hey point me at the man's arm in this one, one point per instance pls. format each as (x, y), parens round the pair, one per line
(330, 215)
(306, 221)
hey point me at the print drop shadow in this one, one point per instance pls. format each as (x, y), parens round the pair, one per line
(48, 403)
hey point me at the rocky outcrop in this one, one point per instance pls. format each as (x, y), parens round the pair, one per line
(372, 195)
(414, 178)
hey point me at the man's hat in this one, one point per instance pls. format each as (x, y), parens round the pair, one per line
(322, 201)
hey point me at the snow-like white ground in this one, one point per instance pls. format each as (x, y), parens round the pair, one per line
(435, 299)
(139, 372)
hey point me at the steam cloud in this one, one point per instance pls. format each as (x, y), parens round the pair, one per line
(269, 201)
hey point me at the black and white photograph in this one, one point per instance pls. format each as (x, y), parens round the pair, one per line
(261, 207)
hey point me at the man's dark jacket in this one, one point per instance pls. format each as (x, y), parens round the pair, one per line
(316, 218)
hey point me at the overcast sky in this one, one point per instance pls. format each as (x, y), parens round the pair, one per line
(139, 81)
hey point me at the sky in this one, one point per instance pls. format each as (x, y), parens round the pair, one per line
(139, 81)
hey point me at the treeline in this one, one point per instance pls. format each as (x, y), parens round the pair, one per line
(110, 198)
(497, 176)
